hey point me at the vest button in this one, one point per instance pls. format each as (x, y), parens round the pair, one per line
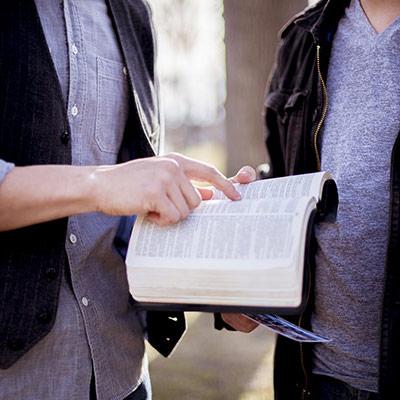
(15, 344)
(65, 136)
(51, 273)
(44, 317)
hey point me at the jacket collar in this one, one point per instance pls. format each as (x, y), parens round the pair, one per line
(322, 19)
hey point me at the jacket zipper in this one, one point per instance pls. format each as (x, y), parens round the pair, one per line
(324, 109)
(304, 391)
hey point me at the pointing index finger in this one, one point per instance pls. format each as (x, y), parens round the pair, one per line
(207, 173)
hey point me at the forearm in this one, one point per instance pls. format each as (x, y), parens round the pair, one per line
(31, 195)
(157, 186)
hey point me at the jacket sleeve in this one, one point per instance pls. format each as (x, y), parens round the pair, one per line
(272, 138)
(271, 120)
(277, 95)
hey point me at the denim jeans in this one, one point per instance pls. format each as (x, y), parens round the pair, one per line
(326, 388)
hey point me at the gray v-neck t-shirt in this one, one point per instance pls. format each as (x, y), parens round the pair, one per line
(357, 141)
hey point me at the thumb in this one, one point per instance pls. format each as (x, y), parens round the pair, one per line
(246, 174)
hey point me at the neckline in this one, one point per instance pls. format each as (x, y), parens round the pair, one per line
(366, 21)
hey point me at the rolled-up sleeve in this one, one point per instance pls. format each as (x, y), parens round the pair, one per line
(5, 168)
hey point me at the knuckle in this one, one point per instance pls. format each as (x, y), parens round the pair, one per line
(163, 179)
(173, 154)
(173, 168)
(152, 191)
(166, 177)
(227, 183)
(213, 171)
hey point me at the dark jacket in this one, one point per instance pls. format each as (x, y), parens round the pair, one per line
(34, 130)
(295, 108)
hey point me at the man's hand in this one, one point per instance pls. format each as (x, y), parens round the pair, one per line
(159, 187)
(239, 322)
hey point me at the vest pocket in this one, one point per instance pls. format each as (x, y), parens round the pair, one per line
(112, 105)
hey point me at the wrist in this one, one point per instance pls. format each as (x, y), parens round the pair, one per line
(89, 189)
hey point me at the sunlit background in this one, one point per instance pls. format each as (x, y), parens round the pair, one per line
(192, 70)
(214, 60)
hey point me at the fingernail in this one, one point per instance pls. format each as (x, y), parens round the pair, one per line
(245, 174)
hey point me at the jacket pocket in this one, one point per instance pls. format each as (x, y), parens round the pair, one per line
(285, 117)
(275, 101)
(112, 105)
(285, 104)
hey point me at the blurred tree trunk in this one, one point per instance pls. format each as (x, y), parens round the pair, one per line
(251, 39)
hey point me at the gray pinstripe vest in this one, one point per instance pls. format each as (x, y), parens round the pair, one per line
(34, 130)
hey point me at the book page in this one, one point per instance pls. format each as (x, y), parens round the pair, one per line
(223, 230)
(296, 186)
(247, 253)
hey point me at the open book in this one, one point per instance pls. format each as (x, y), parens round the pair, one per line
(246, 256)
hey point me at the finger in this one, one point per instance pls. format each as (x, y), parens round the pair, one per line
(207, 173)
(206, 193)
(167, 211)
(175, 195)
(192, 196)
(239, 322)
(153, 217)
(250, 324)
(204, 172)
(246, 174)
